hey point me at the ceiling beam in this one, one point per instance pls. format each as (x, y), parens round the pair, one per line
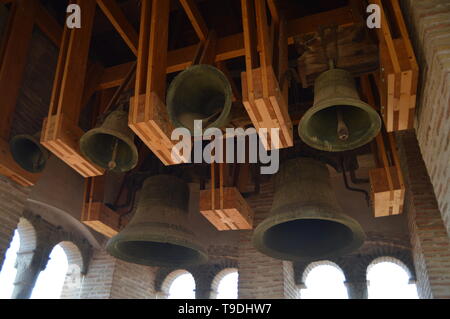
(13, 59)
(48, 25)
(200, 27)
(117, 18)
(274, 10)
(232, 46)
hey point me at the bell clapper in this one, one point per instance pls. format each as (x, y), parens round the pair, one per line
(211, 118)
(112, 164)
(38, 161)
(342, 129)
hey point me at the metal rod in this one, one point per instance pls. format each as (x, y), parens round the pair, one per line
(112, 164)
(356, 180)
(366, 195)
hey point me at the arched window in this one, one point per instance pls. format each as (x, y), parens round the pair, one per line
(8, 272)
(179, 284)
(389, 278)
(324, 280)
(51, 280)
(225, 284)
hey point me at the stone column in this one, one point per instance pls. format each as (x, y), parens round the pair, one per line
(28, 264)
(203, 293)
(357, 289)
(161, 295)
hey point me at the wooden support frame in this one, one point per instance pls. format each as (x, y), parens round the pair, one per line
(13, 57)
(115, 15)
(61, 133)
(148, 117)
(262, 97)
(224, 207)
(387, 184)
(95, 213)
(399, 70)
(233, 46)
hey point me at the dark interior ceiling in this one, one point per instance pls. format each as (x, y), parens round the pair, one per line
(222, 16)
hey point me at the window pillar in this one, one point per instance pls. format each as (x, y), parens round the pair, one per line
(28, 264)
(356, 289)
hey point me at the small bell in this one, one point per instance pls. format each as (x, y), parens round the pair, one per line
(201, 92)
(338, 120)
(28, 152)
(111, 145)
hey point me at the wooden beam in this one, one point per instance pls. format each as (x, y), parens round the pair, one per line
(157, 57)
(148, 117)
(48, 25)
(265, 47)
(13, 58)
(200, 27)
(250, 42)
(115, 15)
(75, 64)
(232, 46)
(61, 133)
(274, 11)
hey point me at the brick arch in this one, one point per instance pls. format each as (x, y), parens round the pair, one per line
(74, 277)
(163, 291)
(393, 260)
(218, 278)
(73, 253)
(28, 236)
(315, 264)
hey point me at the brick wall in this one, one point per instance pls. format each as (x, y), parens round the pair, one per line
(133, 281)
(111, 278)
(429, 238)
(261, 276)
(429, 24)
(12, 202)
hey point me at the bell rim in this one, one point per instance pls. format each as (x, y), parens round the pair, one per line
(359, 235)
(122, 137)
(373, 114)
(36, 141)
(173, 240)
(224, 115)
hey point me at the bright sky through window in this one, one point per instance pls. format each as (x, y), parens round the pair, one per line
(183, 287)
(51, 280)
(228, 287)
(325, 282)
(390, 281)
(8, 272)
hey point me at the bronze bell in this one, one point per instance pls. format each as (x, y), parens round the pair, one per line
(159, 232)
(111, 145)
(306, 222)
(201, 92)
(28, 152)
(338, 120)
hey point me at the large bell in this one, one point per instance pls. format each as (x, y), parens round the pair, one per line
(201, 92)
(159, 233)
(28, 152)
(111, 145)
(338, 120)
(306, 222)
